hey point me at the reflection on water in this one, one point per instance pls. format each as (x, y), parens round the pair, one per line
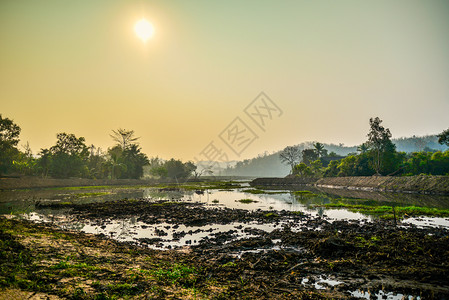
(24, 201)
(166, 235)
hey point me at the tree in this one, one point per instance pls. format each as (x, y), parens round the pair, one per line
(25, 163)
(9, 138)
(443, 138)
(124, 138)
(319, 149)
(380, 144)
(291, 155)
(69, 156)
(317, 168)
(301, 170)
(347, 166)
(44, 162)
(134, 161)
(176, 169)
(332, 169)
(363, 148)
(126, 158)
(97, 163)
(309, 155)
(115, 162)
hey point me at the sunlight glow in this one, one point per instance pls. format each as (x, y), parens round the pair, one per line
(144, 30)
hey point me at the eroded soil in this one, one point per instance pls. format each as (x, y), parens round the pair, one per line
(361, 256)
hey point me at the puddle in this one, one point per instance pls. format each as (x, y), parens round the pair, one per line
(321, 282)
(423, 222)
(381, 295)
(168, 236)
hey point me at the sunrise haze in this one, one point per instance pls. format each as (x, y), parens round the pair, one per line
(327, 67)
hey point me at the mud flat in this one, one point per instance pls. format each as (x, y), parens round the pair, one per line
(302, 258)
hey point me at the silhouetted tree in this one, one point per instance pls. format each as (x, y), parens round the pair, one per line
(9, 138)
(290, 155)
(124, 138)
(134, 161)
(44, 162)
(69, 156)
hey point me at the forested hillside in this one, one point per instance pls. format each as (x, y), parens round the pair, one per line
(269, 165)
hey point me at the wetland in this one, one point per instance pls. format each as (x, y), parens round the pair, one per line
(223, 240)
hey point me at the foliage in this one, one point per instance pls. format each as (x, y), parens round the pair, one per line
(173, 169)
(319, 149)
(443, 138)
(97, 163)
(176, 169)
(301, 170)
(435, 163)
(363, 148)
(134, 161)
(309, 155)
(9, 138)
(332, 169)
(127, 163)
(381, 147)
(25, 163)
(124, 138)
(9, 133)
(67, 158)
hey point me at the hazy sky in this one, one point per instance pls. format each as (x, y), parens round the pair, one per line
(328, 66)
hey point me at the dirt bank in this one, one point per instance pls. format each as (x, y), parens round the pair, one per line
(38, 182)
(407, 184)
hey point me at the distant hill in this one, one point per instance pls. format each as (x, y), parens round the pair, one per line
(269, 165)
(415, 144)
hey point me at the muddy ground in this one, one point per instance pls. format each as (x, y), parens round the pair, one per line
(371, 256)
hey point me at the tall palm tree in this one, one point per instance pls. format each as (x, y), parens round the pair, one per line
(319, 149)
(124, 138)
(363, 148)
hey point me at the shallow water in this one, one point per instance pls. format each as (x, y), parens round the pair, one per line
(170, 236)
(24, 201)
(166, 236)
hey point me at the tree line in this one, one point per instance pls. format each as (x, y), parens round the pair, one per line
(377, 156)
(70, 157)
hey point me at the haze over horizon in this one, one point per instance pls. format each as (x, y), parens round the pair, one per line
(78, 67)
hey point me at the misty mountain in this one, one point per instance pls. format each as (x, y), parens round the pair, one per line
(269, 165)
(422, 143)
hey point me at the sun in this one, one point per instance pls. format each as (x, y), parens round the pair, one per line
(144, 30)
